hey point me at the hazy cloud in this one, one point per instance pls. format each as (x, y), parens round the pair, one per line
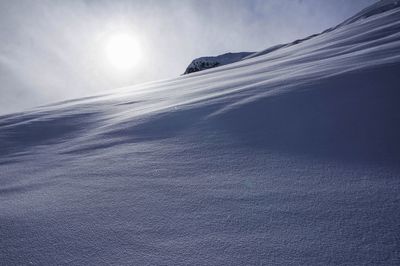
(53, 50)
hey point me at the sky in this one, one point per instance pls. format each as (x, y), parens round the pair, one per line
(57, 50)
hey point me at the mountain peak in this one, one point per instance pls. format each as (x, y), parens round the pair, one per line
(203, 63)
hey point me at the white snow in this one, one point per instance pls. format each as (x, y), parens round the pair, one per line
(287, 158)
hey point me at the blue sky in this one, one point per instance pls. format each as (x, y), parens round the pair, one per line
(53, 50)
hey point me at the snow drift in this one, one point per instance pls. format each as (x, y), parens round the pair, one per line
(288, 157)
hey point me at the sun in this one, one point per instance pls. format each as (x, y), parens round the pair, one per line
(123, 51)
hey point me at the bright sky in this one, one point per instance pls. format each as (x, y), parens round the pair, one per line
(55, 50)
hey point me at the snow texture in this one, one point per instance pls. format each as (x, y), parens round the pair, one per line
(287, 158)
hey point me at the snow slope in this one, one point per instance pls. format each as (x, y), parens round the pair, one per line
(291, 157)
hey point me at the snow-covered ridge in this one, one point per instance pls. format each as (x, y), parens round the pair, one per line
(208, 62)
(378, 8)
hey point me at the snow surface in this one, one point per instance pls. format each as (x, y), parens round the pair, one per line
(288, 158)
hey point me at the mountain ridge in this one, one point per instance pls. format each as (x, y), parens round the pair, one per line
(375, 9)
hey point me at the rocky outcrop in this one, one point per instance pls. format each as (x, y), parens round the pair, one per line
(203, 63)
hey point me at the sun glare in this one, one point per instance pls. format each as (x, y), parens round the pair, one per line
(123, 51)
